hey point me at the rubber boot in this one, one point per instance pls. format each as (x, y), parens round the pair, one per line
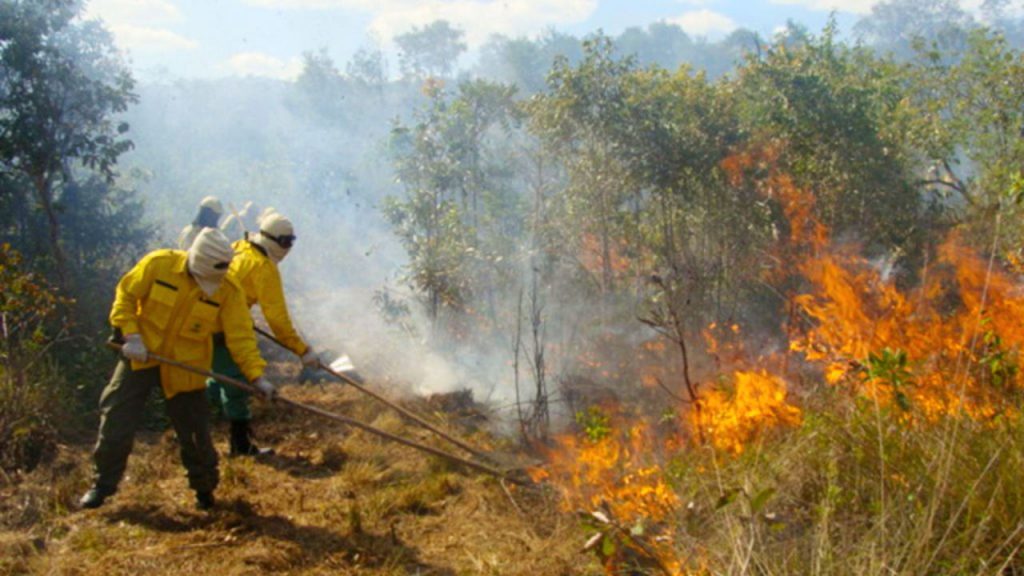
(205, 500)
(241, 441)
(95, 497)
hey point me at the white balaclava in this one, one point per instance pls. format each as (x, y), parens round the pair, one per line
(213, 204)
(209, 258)
(275, 236)
(210, 211)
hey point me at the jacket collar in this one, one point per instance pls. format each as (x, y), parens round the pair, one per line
(258, 248)
(181, 266)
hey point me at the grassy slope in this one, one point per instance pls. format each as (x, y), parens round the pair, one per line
(331, 501)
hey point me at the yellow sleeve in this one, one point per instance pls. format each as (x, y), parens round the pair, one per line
(239, 334)
(124, 314)
(275, 310)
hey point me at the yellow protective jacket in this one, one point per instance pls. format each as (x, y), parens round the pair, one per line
(160, 300)
(261, 281)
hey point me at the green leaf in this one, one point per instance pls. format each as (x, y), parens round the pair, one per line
(726, 499)
(608, 546)
(757, 502)
(903, 401)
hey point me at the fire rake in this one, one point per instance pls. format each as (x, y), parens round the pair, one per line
(337, 418)
(409, 415)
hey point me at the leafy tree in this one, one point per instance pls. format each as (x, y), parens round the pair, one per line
(526, 63)
(661, 44)
(835, 109)
(896, 26)
(702, 236)
(999, 16)
(516, 61)
(61, 84)
(369, 67)
(559, 46)
(104, 233)
(62, 88)
(432, 50)
(645, 196)
(573, 120)
(967, 116)
(793, 35)
(321, 88)
(443, 162)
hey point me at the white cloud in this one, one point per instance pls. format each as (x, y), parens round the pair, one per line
(137, 12)
(852, 6)
(705, 23)
(308, 4)
(479, 18)
(143, 39)
(260, 64)
(863, 7)
(141, 25)
(482, 19)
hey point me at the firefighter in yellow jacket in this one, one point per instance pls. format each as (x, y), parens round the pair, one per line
(255, 268)
(171, 303)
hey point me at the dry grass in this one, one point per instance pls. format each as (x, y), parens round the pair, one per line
(849, 494)
(332, 501)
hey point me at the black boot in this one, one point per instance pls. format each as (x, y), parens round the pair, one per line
(205, 500)
(95, 497)
(241, 441)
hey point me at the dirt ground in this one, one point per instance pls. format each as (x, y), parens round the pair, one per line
(330, 501)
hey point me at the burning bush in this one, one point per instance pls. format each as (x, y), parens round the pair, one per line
(916, 375)
(732, 419)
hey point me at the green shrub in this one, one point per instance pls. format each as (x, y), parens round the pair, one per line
(30, 402)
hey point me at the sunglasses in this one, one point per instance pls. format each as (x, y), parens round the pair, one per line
(284, 241)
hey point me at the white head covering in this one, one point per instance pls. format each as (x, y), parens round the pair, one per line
(213, 204)
(208, 259)
(273, 225)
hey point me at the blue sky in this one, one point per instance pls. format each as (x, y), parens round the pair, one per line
(212, 38)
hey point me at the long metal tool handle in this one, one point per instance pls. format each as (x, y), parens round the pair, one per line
(336, 417)
(403, 411)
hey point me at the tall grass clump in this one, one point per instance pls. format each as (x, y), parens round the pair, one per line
(857, 491)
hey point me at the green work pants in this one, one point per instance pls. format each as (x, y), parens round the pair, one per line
(232, 402)
(122, 405)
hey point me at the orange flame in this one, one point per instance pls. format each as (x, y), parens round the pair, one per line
(948, 348)
(617, 474)
(732, 420)
(594, 255)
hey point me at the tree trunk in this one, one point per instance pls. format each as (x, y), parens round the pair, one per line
(45, 196)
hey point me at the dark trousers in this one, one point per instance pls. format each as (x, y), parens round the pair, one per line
(121, 410)
(231, 402)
